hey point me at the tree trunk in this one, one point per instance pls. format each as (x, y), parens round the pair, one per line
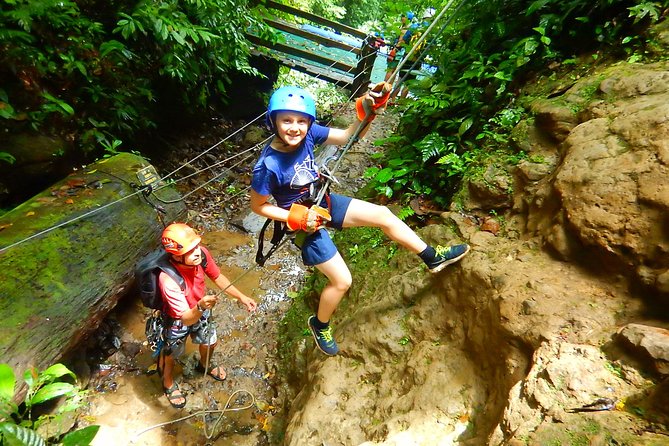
(68, 254)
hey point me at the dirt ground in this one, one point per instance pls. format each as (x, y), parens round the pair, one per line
(126, 400)
(241, 407)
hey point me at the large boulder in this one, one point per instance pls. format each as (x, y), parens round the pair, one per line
(607, 202)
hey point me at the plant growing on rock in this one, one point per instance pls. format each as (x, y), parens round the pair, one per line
(18, 424)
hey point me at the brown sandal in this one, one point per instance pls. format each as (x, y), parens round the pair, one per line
(172, 396)
(220, 376)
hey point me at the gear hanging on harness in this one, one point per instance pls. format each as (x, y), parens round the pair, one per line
(155, 325)
(318, 189)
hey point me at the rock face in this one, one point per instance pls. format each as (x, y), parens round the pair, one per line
(499, 348)
(609, 195)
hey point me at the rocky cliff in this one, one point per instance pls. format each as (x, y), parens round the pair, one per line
(560, 306)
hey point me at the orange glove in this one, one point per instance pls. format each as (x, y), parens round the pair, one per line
(391, 55)
(373, 102)
(307, 219)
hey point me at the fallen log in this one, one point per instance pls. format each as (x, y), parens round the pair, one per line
(67, 256)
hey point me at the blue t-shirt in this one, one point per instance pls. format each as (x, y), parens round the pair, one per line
(287, 175)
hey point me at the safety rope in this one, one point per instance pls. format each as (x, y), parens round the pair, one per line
(65, 223)
(213, 147)
(202, 412)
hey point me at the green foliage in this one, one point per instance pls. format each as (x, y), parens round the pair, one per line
(7, 157)
(104, 71)
(424, 167)
(360, 11)
(327, 96)
(646, 9)
(486, 52)
(17, 426)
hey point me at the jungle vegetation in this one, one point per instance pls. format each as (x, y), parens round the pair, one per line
(98, 73)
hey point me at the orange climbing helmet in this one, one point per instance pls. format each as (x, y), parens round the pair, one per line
(179, 238)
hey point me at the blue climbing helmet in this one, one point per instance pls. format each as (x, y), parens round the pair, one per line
(410, 15)
(290, 99)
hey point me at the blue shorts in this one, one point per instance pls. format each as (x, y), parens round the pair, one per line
(318, 247)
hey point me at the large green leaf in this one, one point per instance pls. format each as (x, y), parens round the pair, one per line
(13, 435)
(82, 437)
(384, 175)
(52, 391)
(7, 382)
(56, 371)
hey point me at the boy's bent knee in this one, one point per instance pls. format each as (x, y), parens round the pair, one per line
(385, 216)
(343, 283)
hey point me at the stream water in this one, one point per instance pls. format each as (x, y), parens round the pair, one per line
(127, 401)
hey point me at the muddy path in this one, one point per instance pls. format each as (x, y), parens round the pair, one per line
(126, 399)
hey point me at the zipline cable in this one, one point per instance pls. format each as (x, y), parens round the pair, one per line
(214, 146)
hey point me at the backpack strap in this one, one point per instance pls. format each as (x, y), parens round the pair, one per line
(171, 271)
(279, 232)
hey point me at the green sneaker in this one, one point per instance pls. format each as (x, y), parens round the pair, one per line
(446, 256)
(324, 339)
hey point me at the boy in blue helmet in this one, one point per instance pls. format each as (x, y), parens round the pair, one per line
(287, 171)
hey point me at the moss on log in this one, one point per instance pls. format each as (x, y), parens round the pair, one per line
(60, 274)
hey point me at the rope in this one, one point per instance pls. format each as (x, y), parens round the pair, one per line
(65, 223)
(214, 146)
(202, 412)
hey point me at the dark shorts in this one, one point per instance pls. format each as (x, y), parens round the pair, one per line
(201, 332)
(318, 247)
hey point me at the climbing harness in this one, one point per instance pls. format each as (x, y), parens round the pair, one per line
(317, 191)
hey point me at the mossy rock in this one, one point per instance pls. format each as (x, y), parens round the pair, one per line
(67, 256)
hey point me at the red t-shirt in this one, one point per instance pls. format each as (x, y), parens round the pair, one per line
(178, 301)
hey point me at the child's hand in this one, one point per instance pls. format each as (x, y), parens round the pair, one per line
(374, 101)
(307, 219)
(249, 303)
